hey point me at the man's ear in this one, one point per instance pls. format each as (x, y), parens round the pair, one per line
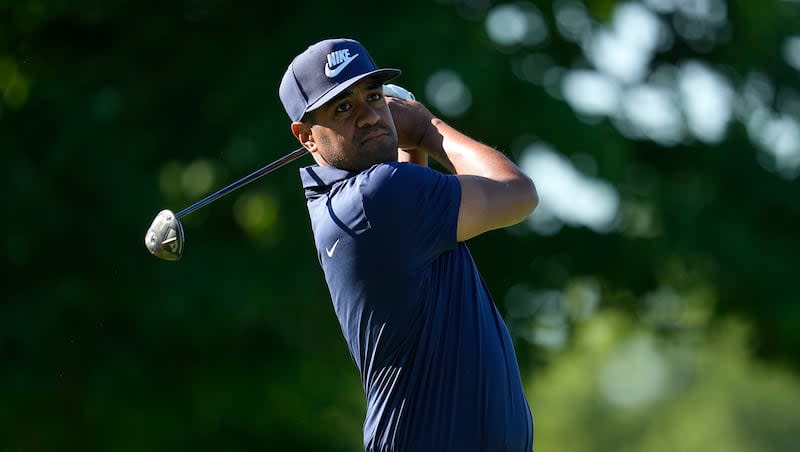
(302, 132)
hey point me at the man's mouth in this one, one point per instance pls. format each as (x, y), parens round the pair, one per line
(374, 135)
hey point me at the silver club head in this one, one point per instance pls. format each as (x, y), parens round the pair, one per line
(164, 239)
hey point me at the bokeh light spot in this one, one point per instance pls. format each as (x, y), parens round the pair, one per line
(256, 213)
(198, 178)
(573, 20)
(591, 92)
(653, 113)
(707, 99)
(567, 195)
(512, 24)
(791, 51)
(13, 85)
(634, 374)
(448, 93)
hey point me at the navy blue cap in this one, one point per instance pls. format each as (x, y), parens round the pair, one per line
(324, 70)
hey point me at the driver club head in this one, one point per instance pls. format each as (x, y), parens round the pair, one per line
(164, 238)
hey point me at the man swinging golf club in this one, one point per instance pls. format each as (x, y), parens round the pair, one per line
(435, 357)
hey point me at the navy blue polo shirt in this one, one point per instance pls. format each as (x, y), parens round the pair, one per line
(435, 357)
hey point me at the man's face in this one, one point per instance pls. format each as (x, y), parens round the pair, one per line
(354, 130)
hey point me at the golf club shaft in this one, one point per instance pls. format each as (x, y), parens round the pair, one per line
(288, 158)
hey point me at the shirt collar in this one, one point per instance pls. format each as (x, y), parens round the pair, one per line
(319, 178)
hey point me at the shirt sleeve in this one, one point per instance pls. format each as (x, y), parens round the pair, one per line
(412, 209)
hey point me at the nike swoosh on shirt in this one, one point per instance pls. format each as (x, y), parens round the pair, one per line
(331, 73)
(332, 249)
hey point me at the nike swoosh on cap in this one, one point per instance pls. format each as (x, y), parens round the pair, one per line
(331, 73)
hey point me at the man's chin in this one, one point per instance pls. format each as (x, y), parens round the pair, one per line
(380, 150)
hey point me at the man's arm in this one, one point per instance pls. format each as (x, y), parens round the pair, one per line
(495, 193)
(412, 156)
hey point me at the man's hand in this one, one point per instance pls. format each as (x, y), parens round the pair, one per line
(411, 119)
(394, 96)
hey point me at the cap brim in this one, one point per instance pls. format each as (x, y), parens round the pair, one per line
(384, 75)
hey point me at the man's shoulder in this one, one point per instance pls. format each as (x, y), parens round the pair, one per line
(390, 169)
(393, 176)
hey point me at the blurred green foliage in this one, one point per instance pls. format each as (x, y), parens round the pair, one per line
(677, 330)
(708, 394)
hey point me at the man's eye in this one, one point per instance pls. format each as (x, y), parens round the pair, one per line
(341, 108)
(375, 96)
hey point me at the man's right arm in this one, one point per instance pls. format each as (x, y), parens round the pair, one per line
(495, 193)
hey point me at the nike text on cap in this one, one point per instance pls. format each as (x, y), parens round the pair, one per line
(323, 71)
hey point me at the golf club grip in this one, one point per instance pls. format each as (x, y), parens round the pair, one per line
(288, 158)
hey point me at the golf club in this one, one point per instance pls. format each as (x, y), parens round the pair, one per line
(165, 238)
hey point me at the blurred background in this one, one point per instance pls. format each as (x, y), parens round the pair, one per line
(652, 296)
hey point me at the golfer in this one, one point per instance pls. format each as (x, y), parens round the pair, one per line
(435, 357)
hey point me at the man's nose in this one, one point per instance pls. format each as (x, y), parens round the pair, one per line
(368, 115)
